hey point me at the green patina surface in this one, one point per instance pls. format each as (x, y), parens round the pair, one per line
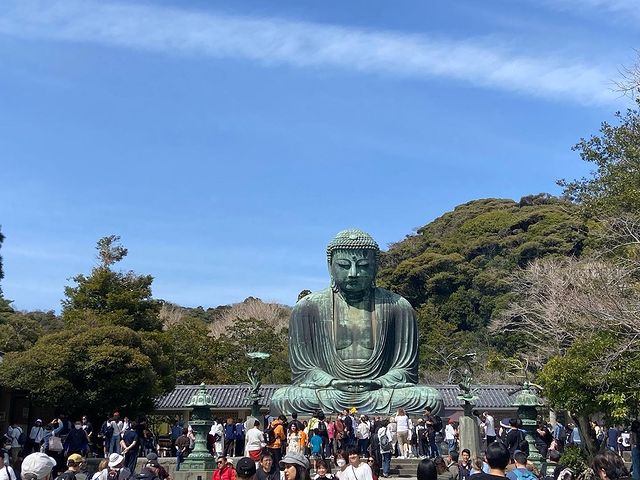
(353, 344)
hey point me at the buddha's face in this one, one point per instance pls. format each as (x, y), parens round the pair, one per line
(353, 271)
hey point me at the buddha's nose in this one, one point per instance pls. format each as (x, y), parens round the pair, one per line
(353, 271)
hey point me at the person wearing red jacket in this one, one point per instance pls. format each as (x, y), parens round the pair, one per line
(225, 470)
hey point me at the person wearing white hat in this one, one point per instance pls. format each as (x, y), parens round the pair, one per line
(35, 437)
(37, 466)
(115, 469)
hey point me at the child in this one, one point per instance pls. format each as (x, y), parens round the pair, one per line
(316, 446)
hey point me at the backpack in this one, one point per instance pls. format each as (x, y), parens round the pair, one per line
(113, 474)
(269, 435)
(146, 474)
(106, 430)
(385, 443)
(437, 423)
(549, 474)
(423, 434)
(562, 434)
(22, 438)
(520, 475)
(66, 476)
(523, 445)
(322, 428)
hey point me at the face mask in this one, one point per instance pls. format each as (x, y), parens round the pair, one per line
(341, 463)
(78, 427)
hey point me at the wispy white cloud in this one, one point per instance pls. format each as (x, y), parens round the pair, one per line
(276, 41)
(626, 7)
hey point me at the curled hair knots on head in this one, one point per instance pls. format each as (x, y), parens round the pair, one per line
(352, 239)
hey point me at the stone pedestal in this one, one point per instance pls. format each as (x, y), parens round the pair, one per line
(469, 436)
(469, 433)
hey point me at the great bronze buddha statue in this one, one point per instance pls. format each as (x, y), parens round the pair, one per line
(353, 344)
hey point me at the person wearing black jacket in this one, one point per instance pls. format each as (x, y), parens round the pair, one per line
(543, 438)
(267, 470)
(349, 436)
(147, 473)
(76, 441)
(515, 439)
(296, 422)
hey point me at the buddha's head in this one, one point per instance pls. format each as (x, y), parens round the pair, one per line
(353, 262)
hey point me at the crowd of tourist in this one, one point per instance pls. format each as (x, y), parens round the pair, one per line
(499, 463)
(347, 446)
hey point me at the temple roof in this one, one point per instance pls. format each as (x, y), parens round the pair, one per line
(234, 397)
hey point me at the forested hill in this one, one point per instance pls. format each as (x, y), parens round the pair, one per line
(456, 270)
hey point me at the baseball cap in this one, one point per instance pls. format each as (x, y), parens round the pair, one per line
(38, 464)
(75, 459)
(245, 467)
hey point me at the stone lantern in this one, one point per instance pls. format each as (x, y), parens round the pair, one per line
(200, 459)
(528, 402)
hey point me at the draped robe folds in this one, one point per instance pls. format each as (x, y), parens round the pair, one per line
(315, 361)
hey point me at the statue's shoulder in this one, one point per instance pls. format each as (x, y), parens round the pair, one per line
(387, 296)
(313, 299)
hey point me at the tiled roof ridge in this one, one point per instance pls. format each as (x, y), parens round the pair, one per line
(235, 396)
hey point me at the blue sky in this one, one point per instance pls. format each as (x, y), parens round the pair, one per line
(227, 142)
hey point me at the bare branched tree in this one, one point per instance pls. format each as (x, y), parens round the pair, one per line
(561, 301)
(620, 236)
(629, 83)
(170, 315)
(275, 314)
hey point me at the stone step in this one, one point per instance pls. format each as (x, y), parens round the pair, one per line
(405, 461)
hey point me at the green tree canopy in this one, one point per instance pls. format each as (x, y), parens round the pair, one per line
(108, 297)
(87, 369)
(614, 186)
(110, 353)
(576, 381)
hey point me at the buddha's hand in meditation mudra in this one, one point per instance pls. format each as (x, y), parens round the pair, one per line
(356, 385)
